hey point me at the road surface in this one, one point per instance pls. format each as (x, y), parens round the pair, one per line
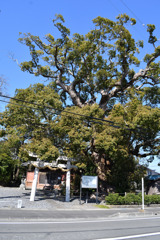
(144, 228)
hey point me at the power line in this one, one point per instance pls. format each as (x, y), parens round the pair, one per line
(132, 12)
(91, 121)
(45, 124)
(127, 8)
(40, 105)
(114, 6)
(22, 106)
(118, 10)
(116, 125)
(18, 104)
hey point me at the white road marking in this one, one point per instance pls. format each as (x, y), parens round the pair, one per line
(132, 236)
(75, 221)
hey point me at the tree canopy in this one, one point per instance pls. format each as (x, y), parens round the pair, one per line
(98, 67)
(99, 107)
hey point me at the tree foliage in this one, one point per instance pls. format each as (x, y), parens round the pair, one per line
(28, 121)
(9, 165)
(111, 148)
(98, 67)
(104, 111)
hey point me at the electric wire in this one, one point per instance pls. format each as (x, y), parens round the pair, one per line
(22, 106)
(25, 106)
(137, 18)
(44, 106)
(91, 121)
(116, 8)
(18, 104)
(132, 12)
(60, 112)
(114, 5)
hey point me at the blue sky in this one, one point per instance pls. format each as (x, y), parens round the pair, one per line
(35, 16)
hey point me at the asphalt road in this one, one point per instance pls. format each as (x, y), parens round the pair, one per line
(37, 214)
(16, 214)
(140, 228)
(78, 228)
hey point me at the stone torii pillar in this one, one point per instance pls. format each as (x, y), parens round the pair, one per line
(34, 185)
(68, 181)
(68, 174)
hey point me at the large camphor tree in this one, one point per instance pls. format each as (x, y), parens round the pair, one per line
(99, 76)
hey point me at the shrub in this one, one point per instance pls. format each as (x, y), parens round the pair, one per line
(155, 199)
(147, 199)
(130, 198)
(112, 198)
(121, 200)
(138, 199)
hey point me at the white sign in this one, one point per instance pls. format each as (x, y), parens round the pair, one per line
(89, 182)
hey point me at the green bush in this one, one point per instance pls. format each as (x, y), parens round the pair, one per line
(112, 198)
(138, 199)
(151, 199)
(131, 198)
(155, 199)
(147, 199)
(121, 200)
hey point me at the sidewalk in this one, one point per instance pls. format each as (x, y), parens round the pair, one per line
(16, 197)
(11, 197)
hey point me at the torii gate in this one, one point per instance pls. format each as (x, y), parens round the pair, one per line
(40, 164)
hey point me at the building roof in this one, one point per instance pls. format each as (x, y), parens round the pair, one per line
(154, 177)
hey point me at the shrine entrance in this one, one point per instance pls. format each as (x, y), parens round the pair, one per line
(58, 174)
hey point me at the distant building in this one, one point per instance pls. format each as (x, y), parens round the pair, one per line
(153, 178)
(151, 172)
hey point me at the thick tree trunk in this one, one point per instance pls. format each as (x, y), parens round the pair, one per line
(103, 168)
(16, 174)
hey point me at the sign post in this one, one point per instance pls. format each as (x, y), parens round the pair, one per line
(89, 182)
(80, 190)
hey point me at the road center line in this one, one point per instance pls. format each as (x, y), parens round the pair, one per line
(131, 237)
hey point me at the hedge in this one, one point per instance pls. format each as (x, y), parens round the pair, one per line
(131, 199)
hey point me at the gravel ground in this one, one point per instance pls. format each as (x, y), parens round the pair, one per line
(17, 198)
